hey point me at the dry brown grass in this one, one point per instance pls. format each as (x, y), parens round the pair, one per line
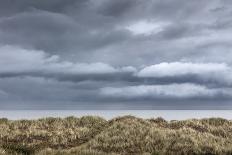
(121, 136)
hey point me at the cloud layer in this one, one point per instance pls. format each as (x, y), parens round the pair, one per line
(56, 80)
(165, 91)
(124, 53)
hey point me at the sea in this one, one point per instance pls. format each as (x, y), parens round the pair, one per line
(109, 114)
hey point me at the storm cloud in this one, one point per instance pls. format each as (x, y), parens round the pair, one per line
(87, 54)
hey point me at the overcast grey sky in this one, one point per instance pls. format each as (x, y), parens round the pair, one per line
(115, 54)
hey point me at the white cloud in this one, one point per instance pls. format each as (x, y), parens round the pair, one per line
(164, 91)
(145, 28)
(18, 60)
(182, 68)
(219, 72)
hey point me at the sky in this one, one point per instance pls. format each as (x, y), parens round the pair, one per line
(115, 54)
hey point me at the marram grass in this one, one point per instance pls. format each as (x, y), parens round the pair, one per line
(125, 135)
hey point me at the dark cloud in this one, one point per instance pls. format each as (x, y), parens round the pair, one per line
(117, 8)
(54, 32)
(13, 6)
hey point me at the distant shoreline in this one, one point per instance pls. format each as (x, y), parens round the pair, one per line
(109, 114)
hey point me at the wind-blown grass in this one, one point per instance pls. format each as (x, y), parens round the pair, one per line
(123, 135)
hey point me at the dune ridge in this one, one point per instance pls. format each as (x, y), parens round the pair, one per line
(125, 135)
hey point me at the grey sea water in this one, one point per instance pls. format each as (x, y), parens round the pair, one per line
(108, 114)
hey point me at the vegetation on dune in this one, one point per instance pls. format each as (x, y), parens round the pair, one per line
(30, 136)
(120, 136)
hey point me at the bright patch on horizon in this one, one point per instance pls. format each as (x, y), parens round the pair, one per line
(145, 28)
